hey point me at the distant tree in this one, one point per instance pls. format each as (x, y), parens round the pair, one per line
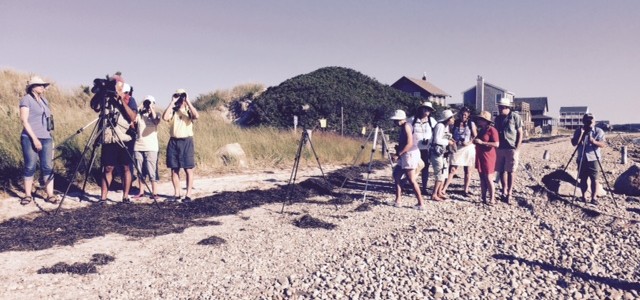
(365, 101)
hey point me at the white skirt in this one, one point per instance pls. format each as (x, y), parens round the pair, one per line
(464, 157)
(410, 160)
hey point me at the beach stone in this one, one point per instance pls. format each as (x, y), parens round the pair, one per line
(232, 154)
(628, 183)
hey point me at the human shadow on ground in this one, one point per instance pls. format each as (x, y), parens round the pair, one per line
(612, 282)
(42, 231)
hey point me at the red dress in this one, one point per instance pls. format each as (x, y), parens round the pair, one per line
(485, 155)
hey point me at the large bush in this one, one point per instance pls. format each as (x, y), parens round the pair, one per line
(365, 101)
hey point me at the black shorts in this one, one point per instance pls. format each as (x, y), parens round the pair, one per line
(589, 169)
(115, 155)
(181, 153)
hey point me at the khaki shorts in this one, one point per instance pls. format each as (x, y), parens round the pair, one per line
(440, 168)
(507, 160)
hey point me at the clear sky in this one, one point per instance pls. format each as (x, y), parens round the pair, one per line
(576, 53)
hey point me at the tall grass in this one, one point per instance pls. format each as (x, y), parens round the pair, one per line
(265, 147)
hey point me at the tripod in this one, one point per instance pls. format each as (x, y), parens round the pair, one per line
(294, 172)
(385, 145)
(105, 122)
(582, 141)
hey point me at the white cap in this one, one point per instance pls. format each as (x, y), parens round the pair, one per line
(150, 98)
(126, 88)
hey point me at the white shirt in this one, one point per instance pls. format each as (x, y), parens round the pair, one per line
(441, 135)
(147, 134)
(422, 130)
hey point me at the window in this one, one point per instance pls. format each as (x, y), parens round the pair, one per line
(417, 94)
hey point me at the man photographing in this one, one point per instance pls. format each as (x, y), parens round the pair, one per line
(588, 139)
(181, 150)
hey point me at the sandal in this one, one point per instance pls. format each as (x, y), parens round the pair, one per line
(26, 200)
(52, 199)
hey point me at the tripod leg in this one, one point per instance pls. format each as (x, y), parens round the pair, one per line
(357, 157)
(87, 171)
(373, 150)
(578, 175)
(574, 152)
(321, 171)
(606, 180)
(294, 171)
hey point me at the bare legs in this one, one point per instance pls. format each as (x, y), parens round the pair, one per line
(107, 177)
(452, 172)
(411, 175)
(175, 179)
(487, 185)
(506, 181)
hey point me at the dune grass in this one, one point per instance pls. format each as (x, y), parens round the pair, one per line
(265, 147)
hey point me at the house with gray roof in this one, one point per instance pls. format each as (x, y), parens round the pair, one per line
(484, 96)
(421, 89)
(539, 106)
(571, 116)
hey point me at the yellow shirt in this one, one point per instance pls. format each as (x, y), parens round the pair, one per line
(181, 125)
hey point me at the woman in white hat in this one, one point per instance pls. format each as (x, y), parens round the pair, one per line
(408, 158)
(464, 132)
(146, 146)
(486, 144)
(422, 125)
(441, 139)
(36, 139)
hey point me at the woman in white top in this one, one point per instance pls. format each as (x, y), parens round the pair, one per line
(423, 124)
(464, 132)
(146, 146)
(441, 139)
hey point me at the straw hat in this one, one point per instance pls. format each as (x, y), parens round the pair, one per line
(485, 115)
(505, 102)
(446, 115)
(180, 91)
(428, 105)
(399, 115)
(36, 80)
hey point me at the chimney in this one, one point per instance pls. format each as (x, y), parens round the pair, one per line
(480, 94)
(424, 76)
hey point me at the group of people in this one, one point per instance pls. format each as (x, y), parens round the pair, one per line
(130, 142)
(491, 145)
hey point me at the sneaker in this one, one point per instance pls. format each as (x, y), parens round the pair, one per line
(126, 200)
(187, 199)
(173, 199)
(594, 202)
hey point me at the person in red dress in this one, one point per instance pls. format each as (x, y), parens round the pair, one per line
(486, 144)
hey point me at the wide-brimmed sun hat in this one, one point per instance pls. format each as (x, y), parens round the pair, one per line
(399, 115)
(36, 80)
(484, 115)
(446, 115)
(505, 102)
(428, 105)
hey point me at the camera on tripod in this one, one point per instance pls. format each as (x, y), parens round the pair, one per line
(105, 94)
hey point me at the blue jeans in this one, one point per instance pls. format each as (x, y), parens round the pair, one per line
(31, 157)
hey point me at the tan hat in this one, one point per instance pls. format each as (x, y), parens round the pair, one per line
(427, 104)
(180, 91)
(399, 115)
(446, 115)
(505, 102)
(36, 80)
(485, 115)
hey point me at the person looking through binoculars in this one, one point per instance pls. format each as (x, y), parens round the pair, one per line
(118, 140)
(588, 139)
(181, 149)
(146, 146)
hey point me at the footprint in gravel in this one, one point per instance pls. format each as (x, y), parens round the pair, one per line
(308, 221)
(97, 259)
(212, 241)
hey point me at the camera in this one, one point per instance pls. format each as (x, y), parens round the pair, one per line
(105, 94)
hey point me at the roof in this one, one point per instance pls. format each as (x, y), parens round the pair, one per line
(541, 117)
(535, 103)
(574, 109)
(427, 86)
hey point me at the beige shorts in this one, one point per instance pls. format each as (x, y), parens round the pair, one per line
(507, 160)
(409, 160)
(440, 168)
